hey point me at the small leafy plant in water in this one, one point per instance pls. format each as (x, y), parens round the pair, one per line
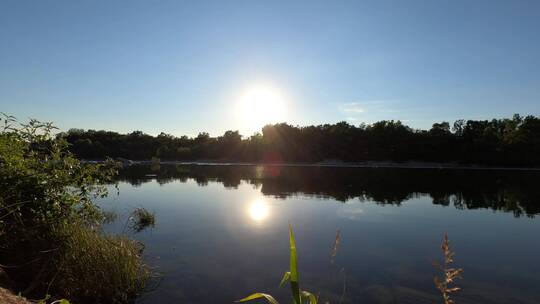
(142, 219)
(298, 296)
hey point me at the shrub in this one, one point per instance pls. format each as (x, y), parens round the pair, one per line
(142, 218)
(50, 240)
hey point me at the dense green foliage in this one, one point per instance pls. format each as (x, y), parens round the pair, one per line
(42, 183)
(513, 141)
(50, 241)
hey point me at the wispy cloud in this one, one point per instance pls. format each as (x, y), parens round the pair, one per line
(352, 107)
(370, 109)
(350, 211)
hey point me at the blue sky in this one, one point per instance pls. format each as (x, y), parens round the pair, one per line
(179, 66)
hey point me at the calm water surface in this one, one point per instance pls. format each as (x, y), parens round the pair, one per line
(221, 231)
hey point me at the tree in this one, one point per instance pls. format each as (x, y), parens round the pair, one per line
(493, 142)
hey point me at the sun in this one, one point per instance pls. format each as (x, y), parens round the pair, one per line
(258, 210)
(259, 105)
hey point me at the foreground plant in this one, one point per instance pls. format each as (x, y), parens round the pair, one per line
(50, 237)
(298, 296)
(94, 267)
(449, 274)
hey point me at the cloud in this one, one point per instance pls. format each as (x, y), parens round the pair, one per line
(371, 110)
(350, 211)
(352, 107)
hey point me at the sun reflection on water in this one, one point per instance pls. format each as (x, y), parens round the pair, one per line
(258, 210)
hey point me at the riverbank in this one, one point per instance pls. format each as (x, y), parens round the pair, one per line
(366, 164)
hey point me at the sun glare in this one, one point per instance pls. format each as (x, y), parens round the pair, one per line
(260, 105)
(258, 211)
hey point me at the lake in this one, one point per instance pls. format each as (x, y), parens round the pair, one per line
(221, 232)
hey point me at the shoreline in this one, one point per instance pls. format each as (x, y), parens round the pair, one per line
(367, 164)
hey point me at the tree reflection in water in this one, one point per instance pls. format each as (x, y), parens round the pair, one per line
(501, 190)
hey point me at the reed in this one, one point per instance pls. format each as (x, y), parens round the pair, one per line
(292, 276)
(94, 267)
(445, 283)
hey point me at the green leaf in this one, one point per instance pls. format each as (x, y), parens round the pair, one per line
(309, 296)
(295, 285)
(259, 295)
(293, 260)
(286, 278)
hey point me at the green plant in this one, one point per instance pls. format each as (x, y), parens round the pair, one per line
(42, 183)
(298, 296)
(93, 267)
(55, 245)
(108, 216)
(142, 218)
(449, 274)
(44, 301)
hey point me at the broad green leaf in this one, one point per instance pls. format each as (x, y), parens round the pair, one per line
(295, 285)
(309, 296)
(286, 278)
(259, 295)
(293, 260)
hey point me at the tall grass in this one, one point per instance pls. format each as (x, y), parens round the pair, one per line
(93, 267)
(449, 274)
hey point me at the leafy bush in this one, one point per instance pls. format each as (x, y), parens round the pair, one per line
(41, 182)
(50, 240)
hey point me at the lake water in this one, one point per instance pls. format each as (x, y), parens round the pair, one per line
(221, 231)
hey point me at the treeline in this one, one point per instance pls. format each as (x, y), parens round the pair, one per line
(512, 142)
